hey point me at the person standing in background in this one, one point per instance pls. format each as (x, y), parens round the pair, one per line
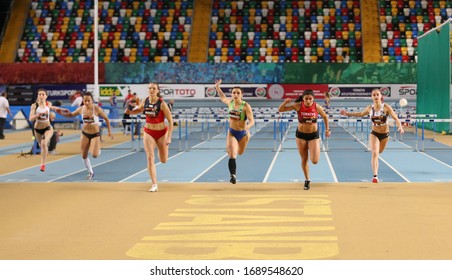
(4, 111)
(76, 99)
(125, 116)
(171, 107)
(113, 99)
(56, 135)
(128, 97)
(327, 99)
(114, 111)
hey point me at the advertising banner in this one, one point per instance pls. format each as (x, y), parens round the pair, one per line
(60, 92)
(409, 92)
(277, 91)
(181, 91)
(249, 91)
(357, 91)
(167, 91)
(109, 90)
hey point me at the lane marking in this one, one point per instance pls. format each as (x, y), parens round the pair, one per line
(330, 165)
(244, 227)
(435, 159)
(144, 170)
(380, 157)
(221, 158)
(84, 169)
(51, 162)
(208, 168)
(272, 164)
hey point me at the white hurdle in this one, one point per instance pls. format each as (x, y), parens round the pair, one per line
(281, 124)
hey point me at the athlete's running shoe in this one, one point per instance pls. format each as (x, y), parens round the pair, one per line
(233, 179)
(375, 180)
(307, 185)
(154, 188)
(90, 176)
(43, 168)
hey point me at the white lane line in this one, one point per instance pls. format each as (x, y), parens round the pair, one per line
(221, 158)
(425, 154)
(208, 168)
(383, 160)
(170, 158)
(272, 164)
(145, 170)
(55, 161)
(330, 165)
(99, 164)
(435, 159)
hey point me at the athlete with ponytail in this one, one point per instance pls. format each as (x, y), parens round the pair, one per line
(307, 135)
(379, 135)
(90, 137)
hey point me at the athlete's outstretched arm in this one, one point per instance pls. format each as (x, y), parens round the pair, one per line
(363, 113)
(223, 97)
(285, 108)
(70, 114)
(102, 114)
(139, 109)
(396, 119)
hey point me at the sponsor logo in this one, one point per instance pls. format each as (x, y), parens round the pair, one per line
(408, 90)
(261, 92)
(276, 91)
(108, 91)
(211, 92)
(61, 92)
(177, 92)
(385, 91)
(335, 91)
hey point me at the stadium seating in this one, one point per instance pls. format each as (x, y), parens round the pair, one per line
(240, 31)
(402, 21)
(289, 31)
(60, 31)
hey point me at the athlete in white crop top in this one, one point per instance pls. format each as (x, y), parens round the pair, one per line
(90, 117)
(43, 131)
(90, 138)
(379, 135)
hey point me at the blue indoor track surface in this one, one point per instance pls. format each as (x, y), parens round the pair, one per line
(198, 154)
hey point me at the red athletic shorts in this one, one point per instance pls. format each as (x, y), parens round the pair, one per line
(156, 134)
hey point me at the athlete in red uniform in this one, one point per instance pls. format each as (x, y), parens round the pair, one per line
(157, 132)
(379, 135)
(307, 135)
